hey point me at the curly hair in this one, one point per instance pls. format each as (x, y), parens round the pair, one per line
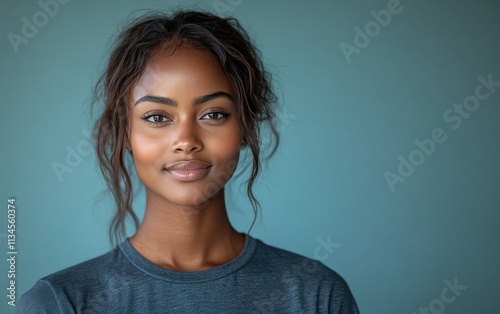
(236, 55)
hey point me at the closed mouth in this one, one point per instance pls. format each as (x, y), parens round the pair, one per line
(184, 165)
(188, 170)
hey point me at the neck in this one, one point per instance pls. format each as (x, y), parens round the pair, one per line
(187, 238)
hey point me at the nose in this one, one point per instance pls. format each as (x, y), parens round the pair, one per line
(186, 139)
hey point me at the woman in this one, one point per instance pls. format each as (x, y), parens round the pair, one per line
(183, 95)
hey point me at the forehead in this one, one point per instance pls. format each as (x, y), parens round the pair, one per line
(186, 71)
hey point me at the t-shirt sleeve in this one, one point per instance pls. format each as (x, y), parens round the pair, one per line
(346, 305)
(38, 300)
(341, 299)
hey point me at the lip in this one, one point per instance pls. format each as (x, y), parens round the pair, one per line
(189, 170)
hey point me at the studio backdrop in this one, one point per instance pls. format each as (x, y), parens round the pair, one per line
(388, 167)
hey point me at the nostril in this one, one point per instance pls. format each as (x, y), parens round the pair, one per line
(187, 147)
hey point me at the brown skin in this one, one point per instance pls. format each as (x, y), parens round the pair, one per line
(185, 226)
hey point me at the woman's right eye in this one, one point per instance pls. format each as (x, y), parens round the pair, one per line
(155, 119)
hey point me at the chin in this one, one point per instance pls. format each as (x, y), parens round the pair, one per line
(196, 199)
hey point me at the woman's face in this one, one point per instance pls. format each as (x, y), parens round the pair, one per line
(184, 134)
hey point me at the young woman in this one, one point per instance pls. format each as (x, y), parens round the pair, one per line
(184, 95)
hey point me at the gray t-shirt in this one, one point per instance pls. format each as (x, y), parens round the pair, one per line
(262, 279)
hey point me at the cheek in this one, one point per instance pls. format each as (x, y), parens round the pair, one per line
(227, 148)
(146, 149)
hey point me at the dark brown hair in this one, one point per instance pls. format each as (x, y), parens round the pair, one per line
(227, 41)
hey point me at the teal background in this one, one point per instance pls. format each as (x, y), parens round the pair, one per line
(343, 126)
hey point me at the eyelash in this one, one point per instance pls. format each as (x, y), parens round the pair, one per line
(147, 116)
(224, 115)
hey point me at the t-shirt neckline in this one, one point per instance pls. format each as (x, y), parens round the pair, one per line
(184, 276)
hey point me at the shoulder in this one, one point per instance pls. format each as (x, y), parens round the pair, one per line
(312, 278)
(56, 292)
(39, 299)
(88, 272)
(273, 259)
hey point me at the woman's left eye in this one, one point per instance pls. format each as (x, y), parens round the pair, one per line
(215, 116)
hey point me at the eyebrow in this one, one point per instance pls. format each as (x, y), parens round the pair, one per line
(170, 102)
